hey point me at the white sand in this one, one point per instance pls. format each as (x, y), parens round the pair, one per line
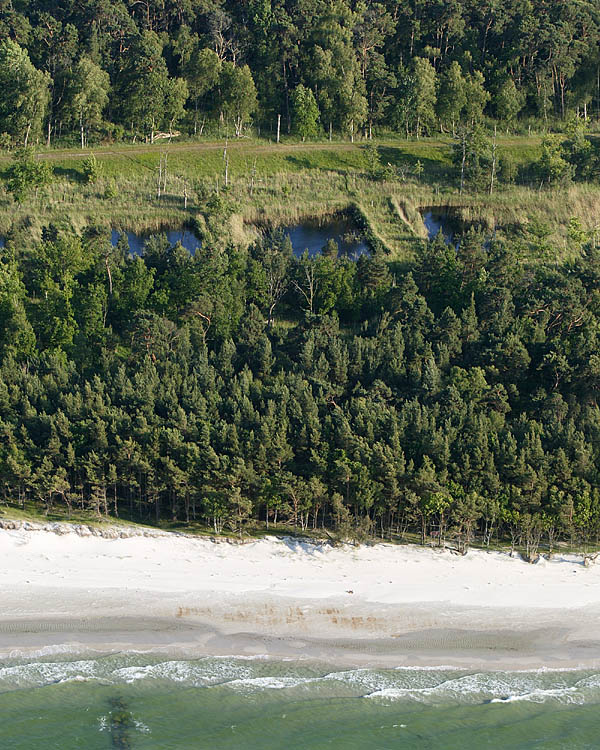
(286, 587)
(382, 573)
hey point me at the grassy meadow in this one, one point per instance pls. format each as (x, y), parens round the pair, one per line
(281, 183)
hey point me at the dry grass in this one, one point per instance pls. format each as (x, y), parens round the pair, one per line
(278, 185)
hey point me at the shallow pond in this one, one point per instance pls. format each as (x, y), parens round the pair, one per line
(313, 235)
(137, 241)
(436, 222)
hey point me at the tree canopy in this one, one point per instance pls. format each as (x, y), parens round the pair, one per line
(253, 386)
(411, 65)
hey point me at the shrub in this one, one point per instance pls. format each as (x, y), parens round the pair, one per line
(92, 169)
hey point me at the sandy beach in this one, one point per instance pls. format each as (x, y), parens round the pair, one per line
(68, 588)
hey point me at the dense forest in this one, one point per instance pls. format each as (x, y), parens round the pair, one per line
(132, 69)
(244, 386)
(447, 392)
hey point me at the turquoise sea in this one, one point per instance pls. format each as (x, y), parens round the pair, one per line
(136, 700)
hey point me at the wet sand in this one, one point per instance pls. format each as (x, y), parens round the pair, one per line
(332, 631)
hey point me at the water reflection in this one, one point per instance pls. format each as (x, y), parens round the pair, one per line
(313, 235)
(436, 222)
(137, 241)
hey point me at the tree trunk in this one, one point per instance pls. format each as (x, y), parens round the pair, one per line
(287, 99)
(462, 166)
(110, 284)
(493, 175)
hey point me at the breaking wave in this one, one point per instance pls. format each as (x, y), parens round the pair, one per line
(429, 685)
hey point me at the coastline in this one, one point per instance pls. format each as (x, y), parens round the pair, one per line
(378, 605)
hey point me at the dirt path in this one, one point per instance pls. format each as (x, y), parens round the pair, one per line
(241, 145)
(254, 147)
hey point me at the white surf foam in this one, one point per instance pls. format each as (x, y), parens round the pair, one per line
(36, 674)
(486, 687)
(564, 695)
(270, 683)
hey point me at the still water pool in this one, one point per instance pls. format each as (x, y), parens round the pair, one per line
(137, 241)
(311, 235)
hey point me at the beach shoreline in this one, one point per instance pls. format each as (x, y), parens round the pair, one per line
(379, 605)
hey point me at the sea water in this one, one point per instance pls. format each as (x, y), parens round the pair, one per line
(137, 700)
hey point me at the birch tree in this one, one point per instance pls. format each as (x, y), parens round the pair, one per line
(452, 97)
(25, 93)
(201, 73)
(238, 96)
(88, 95)
(425, 95)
